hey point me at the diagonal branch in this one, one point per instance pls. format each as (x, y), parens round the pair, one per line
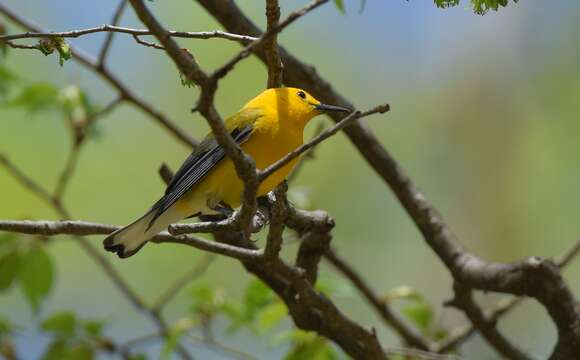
(390, 317)
(109, 39)
(464, 301)
(259, 43)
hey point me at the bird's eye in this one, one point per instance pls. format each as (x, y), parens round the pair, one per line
(302, 94)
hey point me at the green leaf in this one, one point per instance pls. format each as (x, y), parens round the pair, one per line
(137, 357)
(175, 333)
(340, 6)
(7, 78)
(36, 275)
(310, 346)
(48, 45)
(57, 350)
(62, 323)
(8, 269)
(271, 315)
(80, 352)
(420, 314)
(207, 299)
(93, 328)
(480, 7)
(5, 326)
(65, 53)
(36, 97)
(185, 81)
(256, 296)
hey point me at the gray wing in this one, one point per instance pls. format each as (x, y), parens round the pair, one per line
(208, 154)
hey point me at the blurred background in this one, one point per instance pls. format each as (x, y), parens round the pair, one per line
(484, 118)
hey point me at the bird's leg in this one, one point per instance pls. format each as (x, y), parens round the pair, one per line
(220, 207)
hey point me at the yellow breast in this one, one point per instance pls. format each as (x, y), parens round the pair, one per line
(266, 146)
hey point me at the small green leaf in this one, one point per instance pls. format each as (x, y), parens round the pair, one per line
(137, 357)
(8, 269)
(65, 52)
(57, 350)
(257, 295)
(80, 352)
(310, 346)
(36, 275)
(420, 314)
(5, 326)
(48, 45)
(185, 81)
(177, 330)
(340, 6)
(36, 97)
(62, 323)
(271, 315)
(7, 77)
(93, 328)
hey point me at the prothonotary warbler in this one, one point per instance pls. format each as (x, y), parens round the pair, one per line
(267, 128)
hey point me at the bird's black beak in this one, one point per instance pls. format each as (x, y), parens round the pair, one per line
(326, 108)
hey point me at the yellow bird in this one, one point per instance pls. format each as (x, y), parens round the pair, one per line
(268, 127)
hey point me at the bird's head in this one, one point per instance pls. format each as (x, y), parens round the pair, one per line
(293, 105)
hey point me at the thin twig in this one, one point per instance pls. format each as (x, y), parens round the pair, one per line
(203, 35)
(321, 137)
(217, 346)
(109, 39)
(228, 66)
(147, 43)
(67, 172)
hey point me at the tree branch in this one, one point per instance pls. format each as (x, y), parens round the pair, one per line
(389, 316)
(275, 66)
(112, 29)
(109, 39)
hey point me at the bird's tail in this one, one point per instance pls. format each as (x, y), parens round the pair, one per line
(128, 240)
